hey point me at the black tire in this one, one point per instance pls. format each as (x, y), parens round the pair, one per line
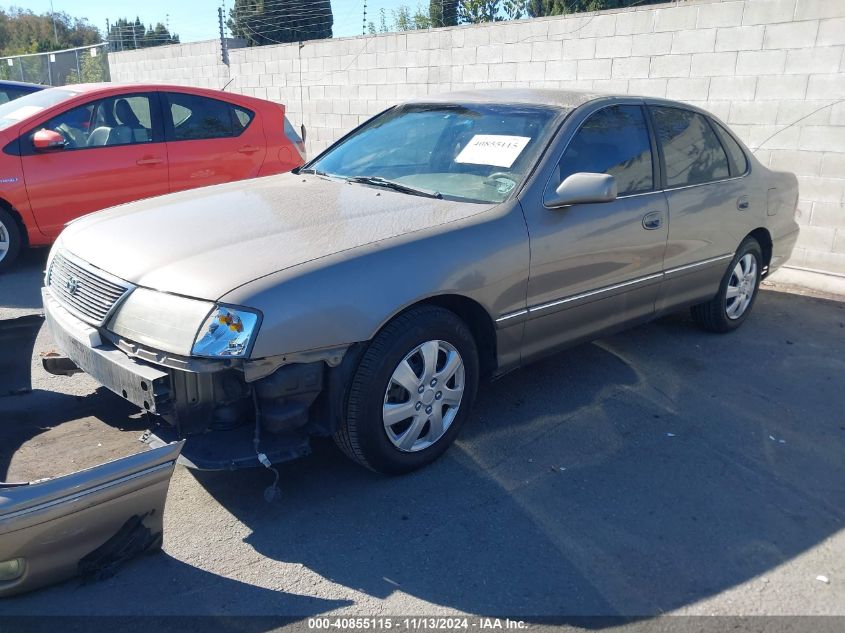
(9, 232)
(712, 315)
(362, 435)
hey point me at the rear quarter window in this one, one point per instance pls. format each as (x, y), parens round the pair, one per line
(739, 162)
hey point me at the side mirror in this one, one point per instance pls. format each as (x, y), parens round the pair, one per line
(583, 188)
(46, 140)
(304, 134)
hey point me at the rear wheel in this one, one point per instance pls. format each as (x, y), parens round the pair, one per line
(411, 392)
(10, 240)
(732, 304)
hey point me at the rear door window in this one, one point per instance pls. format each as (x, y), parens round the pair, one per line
(691, 150)
(192, 117)
(612, 141)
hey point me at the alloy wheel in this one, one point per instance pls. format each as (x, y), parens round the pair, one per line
(423, 396)
(741, 286)
(4, 241)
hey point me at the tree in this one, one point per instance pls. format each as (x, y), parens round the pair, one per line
(126, 36)
(22, 31)
(478, 11)
(262, 22)
(92, 69)
(404, 20)
(541, 8)
(443, 12)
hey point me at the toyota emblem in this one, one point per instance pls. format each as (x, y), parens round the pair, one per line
(71, 285)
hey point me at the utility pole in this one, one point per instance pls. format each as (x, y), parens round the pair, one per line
(224, 49)
(53, 17)
(364, 28)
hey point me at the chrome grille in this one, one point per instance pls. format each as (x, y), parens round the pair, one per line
(87, 292)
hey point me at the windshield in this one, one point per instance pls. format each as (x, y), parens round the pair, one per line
(31, 104)
(475, 152)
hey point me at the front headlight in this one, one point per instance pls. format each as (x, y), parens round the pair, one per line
(227, 332)
(162, 321)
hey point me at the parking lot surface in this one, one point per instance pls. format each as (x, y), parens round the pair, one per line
(659, 470)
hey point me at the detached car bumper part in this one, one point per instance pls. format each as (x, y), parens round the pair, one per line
(83, 524)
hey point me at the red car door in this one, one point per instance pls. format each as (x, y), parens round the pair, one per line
(210, 141)
(113, 153)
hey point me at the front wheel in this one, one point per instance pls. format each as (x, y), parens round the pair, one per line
(10, 240)
(732, 304)
(411, 392)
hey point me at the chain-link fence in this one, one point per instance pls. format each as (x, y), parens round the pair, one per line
(71, 66)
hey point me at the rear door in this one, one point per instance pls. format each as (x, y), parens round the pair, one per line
(113, 153)
(210, 141)
(83, 523)
(597, 266)
(706, 205)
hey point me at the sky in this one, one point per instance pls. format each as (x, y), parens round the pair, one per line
(197, 19)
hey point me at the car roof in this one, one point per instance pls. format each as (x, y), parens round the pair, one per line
(9, 83)
(108, 87)
(563, 99)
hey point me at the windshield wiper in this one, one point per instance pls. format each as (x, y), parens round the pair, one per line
(378, 181)
(313, 170)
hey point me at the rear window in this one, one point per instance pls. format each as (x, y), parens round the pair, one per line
(193, 117)
(29, 105)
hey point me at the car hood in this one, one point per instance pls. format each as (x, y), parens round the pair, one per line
(206, 242)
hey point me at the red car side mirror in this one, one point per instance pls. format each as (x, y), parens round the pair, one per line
(45, 139)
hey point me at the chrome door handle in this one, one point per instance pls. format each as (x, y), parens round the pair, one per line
(742, 203)
(653, 220)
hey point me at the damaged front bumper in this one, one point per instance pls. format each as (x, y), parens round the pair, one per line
(83, 524)
(227, 420)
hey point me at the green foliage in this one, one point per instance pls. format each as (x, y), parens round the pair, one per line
(22, 31)
(443, 12)
(478, 11)
(541, 8)
(402, 19)
(262, 22)
(452, 12)
(126, 36)
(92, 69)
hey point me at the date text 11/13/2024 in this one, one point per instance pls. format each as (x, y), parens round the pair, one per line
(414, 623)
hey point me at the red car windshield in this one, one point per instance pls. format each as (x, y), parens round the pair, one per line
(31, 104)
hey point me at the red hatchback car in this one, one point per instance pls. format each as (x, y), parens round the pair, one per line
(73, 150)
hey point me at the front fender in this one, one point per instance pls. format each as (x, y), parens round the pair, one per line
(347, 297)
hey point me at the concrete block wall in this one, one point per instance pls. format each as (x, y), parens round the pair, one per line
(773, 69)
(197, 64)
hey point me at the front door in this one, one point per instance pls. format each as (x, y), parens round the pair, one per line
(595, 267)
(113, 153)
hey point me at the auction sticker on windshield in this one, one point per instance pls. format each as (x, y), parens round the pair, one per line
(493, 149)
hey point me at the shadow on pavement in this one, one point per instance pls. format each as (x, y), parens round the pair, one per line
(630, 476)
(17, 340)
(627, 477)
(20, 287)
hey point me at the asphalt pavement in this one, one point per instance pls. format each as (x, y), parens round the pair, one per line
(661, 470)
